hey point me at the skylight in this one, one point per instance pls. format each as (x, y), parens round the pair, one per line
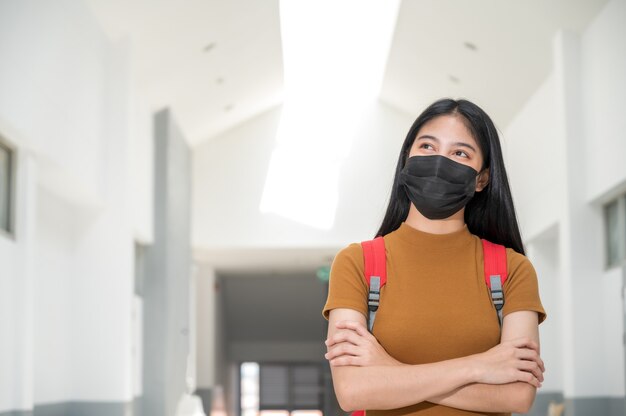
(334, 55)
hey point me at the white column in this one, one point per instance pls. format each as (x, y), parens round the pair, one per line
(580, 236)
(206, 327)
(26, 207)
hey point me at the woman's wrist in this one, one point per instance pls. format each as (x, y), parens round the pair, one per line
(473, 368)
(463, 370)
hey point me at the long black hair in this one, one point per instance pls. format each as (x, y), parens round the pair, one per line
(490, 214)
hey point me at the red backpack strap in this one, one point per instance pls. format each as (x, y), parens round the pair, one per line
(495, 273)
(375, 259)
(375, 274)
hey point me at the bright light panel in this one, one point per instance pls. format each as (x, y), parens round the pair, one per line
(334, 55)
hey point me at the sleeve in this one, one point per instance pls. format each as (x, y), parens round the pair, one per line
(521, 289)
(347, 287)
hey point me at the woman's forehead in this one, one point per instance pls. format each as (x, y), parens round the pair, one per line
(447, 128)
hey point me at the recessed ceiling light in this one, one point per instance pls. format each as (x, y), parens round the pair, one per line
(208, 47)
(228, 107)
(453, 79)
(470, 46)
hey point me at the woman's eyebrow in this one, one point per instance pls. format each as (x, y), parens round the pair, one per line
(427, 136)
(461, 144)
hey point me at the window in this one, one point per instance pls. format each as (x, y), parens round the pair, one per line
(6, 187)
(615, 231)
(285, 389)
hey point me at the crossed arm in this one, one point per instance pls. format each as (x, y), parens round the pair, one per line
(502, 379)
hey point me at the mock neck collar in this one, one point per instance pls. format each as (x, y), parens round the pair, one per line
(430, 241)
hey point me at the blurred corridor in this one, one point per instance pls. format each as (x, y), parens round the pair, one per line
(176, 177)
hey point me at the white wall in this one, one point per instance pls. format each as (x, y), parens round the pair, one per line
(229, 175)
(533, 161)
(603, 55)
(141, 168)
(53, 298)
(565, 158)
(16, 293)
(66, 281)
(544, 252)
(104, 257)
(53, 87)
(603, 65)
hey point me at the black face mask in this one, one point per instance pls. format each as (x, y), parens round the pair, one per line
(438, 186)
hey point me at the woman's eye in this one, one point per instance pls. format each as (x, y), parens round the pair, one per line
(461, 153)
(423, 145)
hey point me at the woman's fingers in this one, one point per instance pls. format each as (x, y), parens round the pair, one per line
(350, 331)
(343, 336)
(531, 355)
(344, 348)
(512, 360)
(355, 326)
(528, 378)
(345, 360)
(532, 367)
(525, 342)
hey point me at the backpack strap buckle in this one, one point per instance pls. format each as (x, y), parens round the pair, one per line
(497, 295)
(373, 300)
(495, 274)
(375, 274)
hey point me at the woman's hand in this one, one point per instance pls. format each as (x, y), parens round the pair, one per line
(354, 345)
(510, 361)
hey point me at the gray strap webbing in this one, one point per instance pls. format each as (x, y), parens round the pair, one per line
(373, 300)
(497, 295)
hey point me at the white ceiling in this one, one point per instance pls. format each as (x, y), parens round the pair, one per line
(241, 75)
(209, 88)
(429, 58)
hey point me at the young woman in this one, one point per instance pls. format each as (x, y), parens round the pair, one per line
(437, 347)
